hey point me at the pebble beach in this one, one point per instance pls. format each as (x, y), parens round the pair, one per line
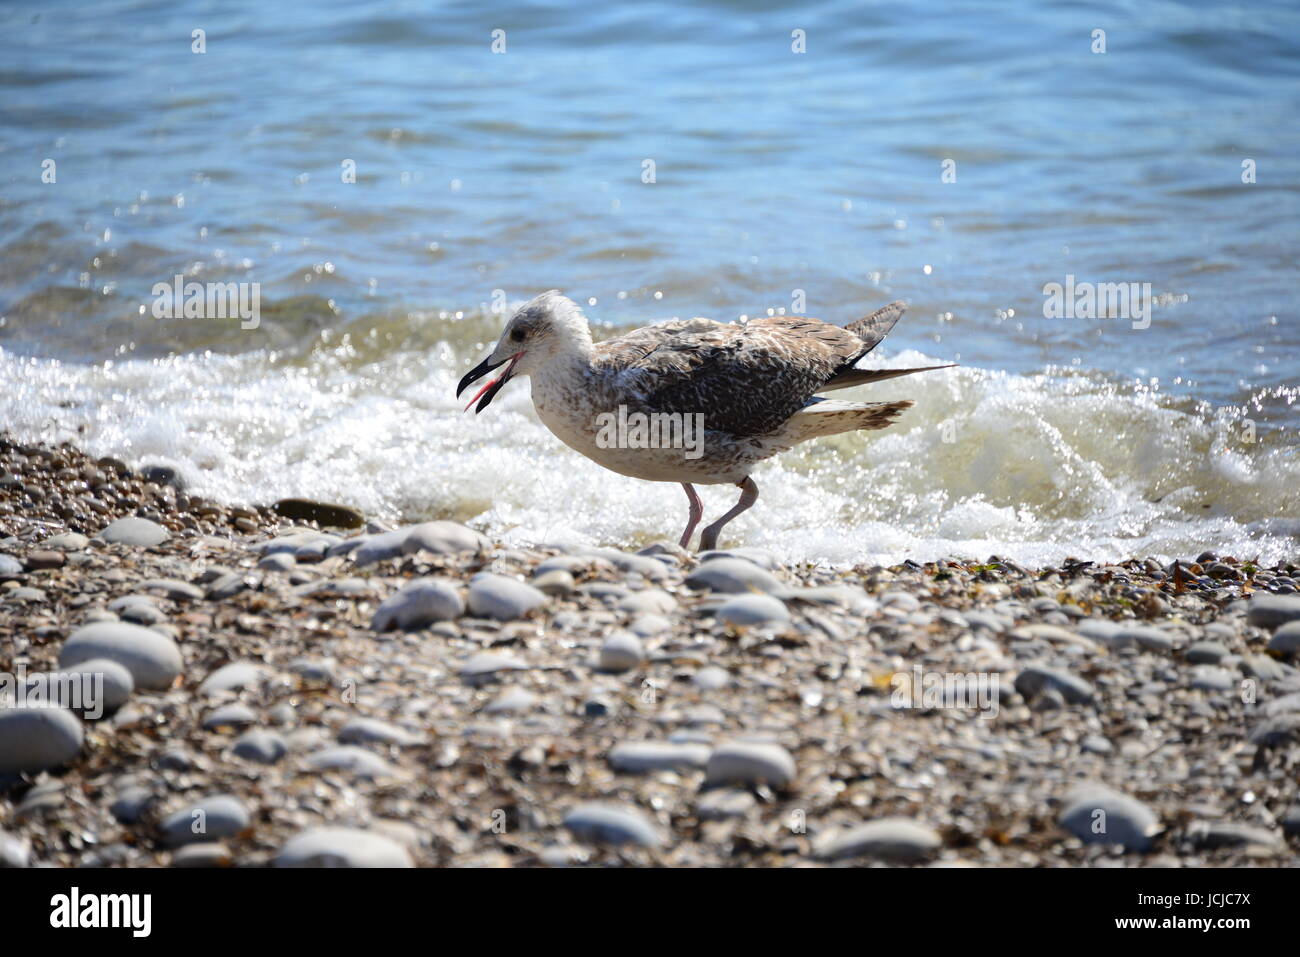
(295, 684)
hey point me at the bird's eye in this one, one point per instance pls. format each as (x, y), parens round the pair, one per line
(517, 335)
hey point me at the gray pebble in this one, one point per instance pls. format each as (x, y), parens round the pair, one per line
(732, 576)
(134, 531)
(362, 730)
(638, 757)
(1205, 653)
(263, 747)
(235, 676)
(154, 660)
(719, 804)
(234, 715)
(212, 818)
(1034, 680)
(1096, 814)
(751, 762)
(420, 603)
(1216, 834)
(1272, 611)
(341, 847)
(131, 803)
(352, 759)
(600, 822)
(753, 611)
(505, 599)
(512, 701)
(891, 838)
(1286, 641)
(278, 562)
(33, 739)
(621, 651)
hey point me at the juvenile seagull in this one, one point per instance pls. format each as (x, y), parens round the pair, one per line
(755, 383)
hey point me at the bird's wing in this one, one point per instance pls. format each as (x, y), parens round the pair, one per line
(873, 328)
(747, 379)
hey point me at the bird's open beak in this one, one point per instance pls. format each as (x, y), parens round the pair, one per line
(489, 391)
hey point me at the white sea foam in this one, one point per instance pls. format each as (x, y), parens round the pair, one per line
(1034, 468)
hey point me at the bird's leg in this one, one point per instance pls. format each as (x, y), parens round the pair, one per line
(697, 512)
(748, 496)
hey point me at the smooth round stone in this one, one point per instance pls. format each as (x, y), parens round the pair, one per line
(1096, 744)
(263, 747)
(67, 541)
(890, 838)
(487, 664)
(326, 513)
(420, 603)
(1216, 834)
(378, 548)
(1097, 814)
(750, 762)
(1034, 680)
(621, 651)
(373, 731)
(651, 601)
(760, 557)
(34, 739)
(1205, 653)
(600, 822)
(557, 581)
(234, 677)
(228, 586)
(753, 611)
(173, 589)
(1272, 611)
(512, 701)
(647, 626)
(10, 567)
(732, 576)
(719, 804)
(444, 538)
(711, 678)
(278, 562)
(101, 685)
(320, 670)
(153, 659)
(638, 757)
(133, 530)
(495, 596)
(202, 854)
(440, 538)
(341, 847)
(352, 759)
(1210, 678)
(209, 819)
(1286, 640)
(1262, 667)
(649, 568)
(131, 803)
(902, 600)
(234, 715)
(14, 852)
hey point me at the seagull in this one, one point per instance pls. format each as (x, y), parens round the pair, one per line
(752, 388)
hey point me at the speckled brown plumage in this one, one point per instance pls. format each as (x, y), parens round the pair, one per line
(747, 378)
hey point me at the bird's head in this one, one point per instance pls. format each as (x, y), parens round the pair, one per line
(545, 329)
